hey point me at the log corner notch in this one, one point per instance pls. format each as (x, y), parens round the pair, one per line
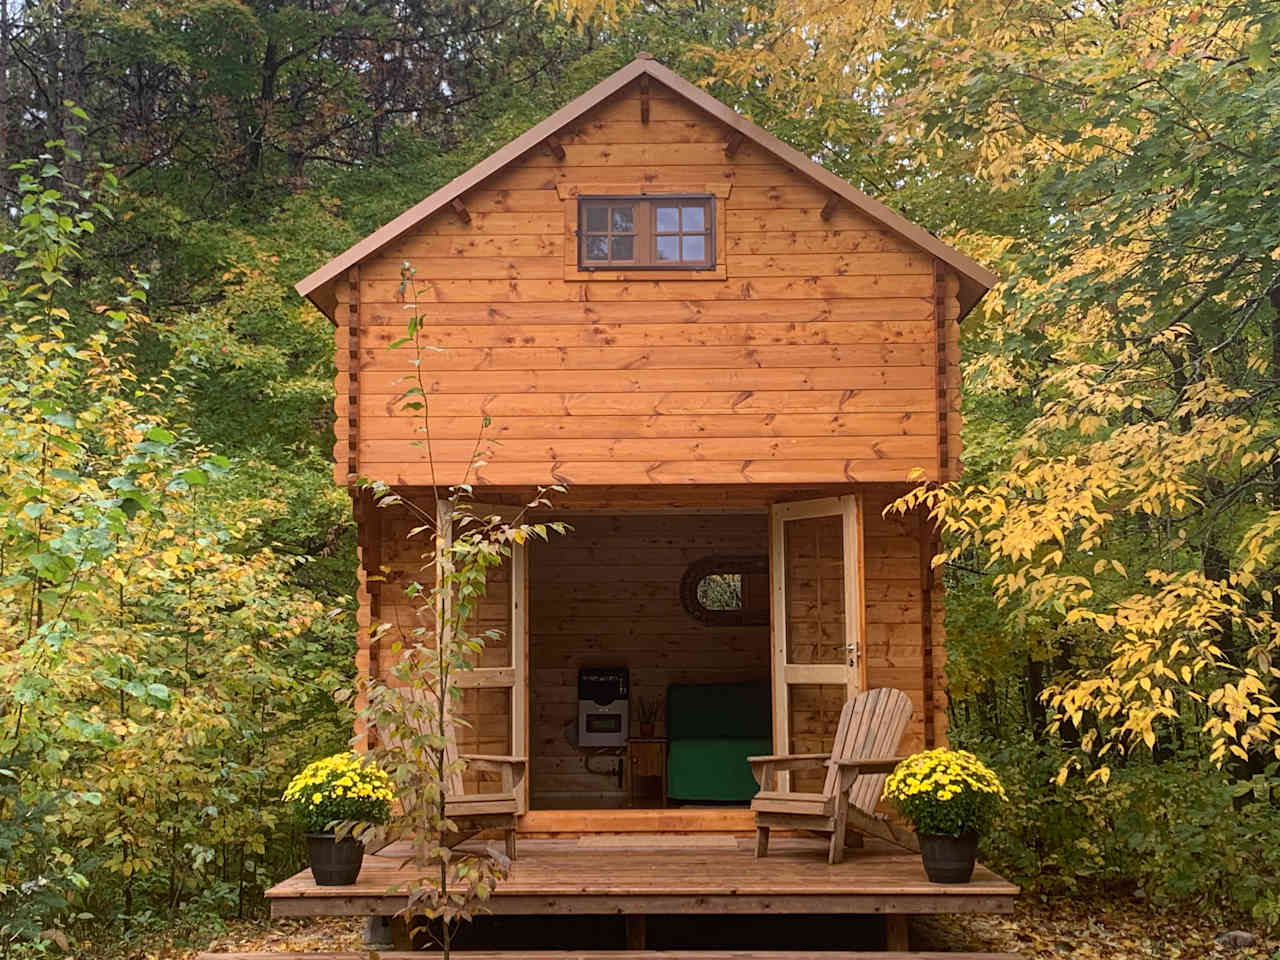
(734, 143)
(940, 376)
(829, 208)
(369, 594)
(644, 98)
(353, 379)
(928, 541)
(556, 148)
(461, 210)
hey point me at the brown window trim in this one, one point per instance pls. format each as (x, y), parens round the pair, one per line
(645, 232)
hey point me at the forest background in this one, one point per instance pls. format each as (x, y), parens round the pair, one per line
(177, 568)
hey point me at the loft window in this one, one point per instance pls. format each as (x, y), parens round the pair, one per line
(646, 233)
(731, 591)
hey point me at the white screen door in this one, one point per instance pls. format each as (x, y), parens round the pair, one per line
(817, 613)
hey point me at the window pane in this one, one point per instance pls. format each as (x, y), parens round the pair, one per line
(668, 248)
(695, 248)
(597, 248)
(623, 221)
(623, 248)
(694, 219)
(721, 591)
(668, 219)
(597, 219)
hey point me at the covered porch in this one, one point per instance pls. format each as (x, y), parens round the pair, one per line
(719, 622)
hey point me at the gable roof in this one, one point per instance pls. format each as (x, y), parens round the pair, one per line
(975, 279)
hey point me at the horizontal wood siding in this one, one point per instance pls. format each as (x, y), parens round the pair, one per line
(608, 594)
(895, 656)
(813, 360)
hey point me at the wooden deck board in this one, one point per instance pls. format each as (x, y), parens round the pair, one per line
(581, 876)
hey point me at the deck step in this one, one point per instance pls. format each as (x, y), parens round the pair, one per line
(619, 955)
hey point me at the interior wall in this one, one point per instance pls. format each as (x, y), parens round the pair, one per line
(608, 594)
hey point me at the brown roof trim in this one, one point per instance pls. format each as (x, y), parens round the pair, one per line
(975, 279)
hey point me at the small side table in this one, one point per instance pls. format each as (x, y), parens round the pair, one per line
(646, 777)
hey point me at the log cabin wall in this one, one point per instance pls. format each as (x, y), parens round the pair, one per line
(608, 594)
(824, 349)
(810, 355)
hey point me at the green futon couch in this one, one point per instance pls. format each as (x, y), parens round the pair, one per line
(711, 730)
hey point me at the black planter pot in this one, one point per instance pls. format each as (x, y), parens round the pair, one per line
(334, 863)
(949, 859)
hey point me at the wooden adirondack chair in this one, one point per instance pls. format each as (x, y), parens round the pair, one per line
(474, 812)
(862, 755)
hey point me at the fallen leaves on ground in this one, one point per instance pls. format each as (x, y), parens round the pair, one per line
(1056, 929)
(1094, 929)
(322, 934)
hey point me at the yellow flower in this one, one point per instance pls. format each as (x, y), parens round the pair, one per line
(343, 776)
(943, 774)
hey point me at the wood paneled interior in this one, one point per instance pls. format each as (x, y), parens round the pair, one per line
(608, 594)
(813, 360)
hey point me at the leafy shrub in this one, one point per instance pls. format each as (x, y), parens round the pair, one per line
(1176, 831)
(158, 673)
(343, 787)
(35, 896)
(945, 792)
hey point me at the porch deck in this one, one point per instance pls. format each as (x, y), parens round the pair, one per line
(649, 874)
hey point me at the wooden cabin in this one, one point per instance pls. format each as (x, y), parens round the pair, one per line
(733, 360)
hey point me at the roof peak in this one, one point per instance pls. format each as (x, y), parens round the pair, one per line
(974, 278)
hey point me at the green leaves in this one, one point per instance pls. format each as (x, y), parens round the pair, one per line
(152, 659)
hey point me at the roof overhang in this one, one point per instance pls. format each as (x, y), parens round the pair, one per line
(318, 287)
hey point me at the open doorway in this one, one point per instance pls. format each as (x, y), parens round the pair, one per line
(668, 614)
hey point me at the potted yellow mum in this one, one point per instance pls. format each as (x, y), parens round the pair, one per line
(950, 798)
(343, 788)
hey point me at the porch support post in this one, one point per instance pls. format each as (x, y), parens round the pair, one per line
(401, 932)
(895, 932)
(635, 931)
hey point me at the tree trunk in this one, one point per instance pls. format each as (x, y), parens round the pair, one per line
(1217, 566)
(6, 27)
(1275, 467)
(73, 68)
(256, 146)
(1035, 706)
